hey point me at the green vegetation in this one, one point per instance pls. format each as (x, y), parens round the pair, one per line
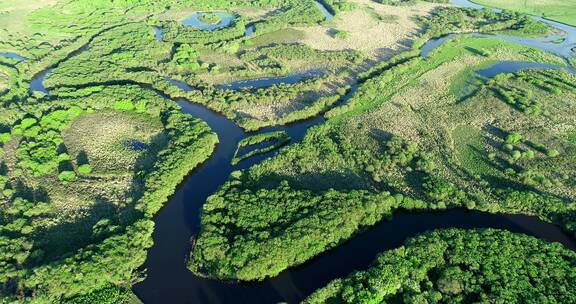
(83, 173)
(259, 251)
(84, 169)
(517, 89)
(391, 136)
(458, 20)
(341, 35)
(289, 35)
(558, 10)
(461, 266)
(276, 140)
(209, 18)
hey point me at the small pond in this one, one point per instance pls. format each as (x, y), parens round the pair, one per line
(37, 83)
(224, 20)
(13, 56)
(250, 30)
(158, 33)
(135, 145)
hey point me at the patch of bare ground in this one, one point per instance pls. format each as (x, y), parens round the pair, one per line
(254, 13)
(374, 38)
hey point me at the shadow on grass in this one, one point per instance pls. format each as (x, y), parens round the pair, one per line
(102, 219)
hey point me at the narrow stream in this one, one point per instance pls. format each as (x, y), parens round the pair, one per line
(13, 56)
(516, 66)
(169, 281)
(37, 83)
(325, 11)
(158, 33)
(270, 81)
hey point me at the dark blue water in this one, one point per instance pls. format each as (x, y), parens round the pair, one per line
(135, 145)
(325, 11)
(226, 20)
(13, 56)
(250, 30)
(37, 83)
(158, 33)
(270, 81)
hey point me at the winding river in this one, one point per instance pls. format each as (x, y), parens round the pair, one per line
(169, 281)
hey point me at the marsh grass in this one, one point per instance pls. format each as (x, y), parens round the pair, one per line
(470, 150)
(115, 141)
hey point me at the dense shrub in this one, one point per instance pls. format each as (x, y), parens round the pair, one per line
(458, 266)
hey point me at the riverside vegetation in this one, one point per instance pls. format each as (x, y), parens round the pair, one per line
(86, 164)
(82, 175)
(456, 266)
(395, 145)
